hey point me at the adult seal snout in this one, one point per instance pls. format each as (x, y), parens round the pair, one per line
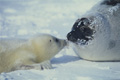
(81, 31)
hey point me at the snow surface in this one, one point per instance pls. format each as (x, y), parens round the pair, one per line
(22, 18)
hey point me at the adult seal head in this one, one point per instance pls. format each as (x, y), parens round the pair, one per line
(96, 34)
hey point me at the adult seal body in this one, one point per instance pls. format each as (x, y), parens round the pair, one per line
(96, 35)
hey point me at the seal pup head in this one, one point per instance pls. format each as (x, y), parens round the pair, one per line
(47, 46)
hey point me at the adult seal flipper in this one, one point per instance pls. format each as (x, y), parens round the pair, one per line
(96, 35)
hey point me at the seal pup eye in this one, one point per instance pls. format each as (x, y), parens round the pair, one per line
(50, 40)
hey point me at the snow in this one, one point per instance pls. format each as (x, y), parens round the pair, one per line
(22, 18)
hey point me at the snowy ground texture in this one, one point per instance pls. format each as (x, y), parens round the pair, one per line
(22, 18)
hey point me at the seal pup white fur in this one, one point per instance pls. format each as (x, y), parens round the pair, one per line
(33, 53)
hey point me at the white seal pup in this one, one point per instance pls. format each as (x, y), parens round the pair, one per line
(32, 53)
(96, 35)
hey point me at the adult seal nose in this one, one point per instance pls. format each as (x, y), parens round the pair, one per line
(70, 36)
